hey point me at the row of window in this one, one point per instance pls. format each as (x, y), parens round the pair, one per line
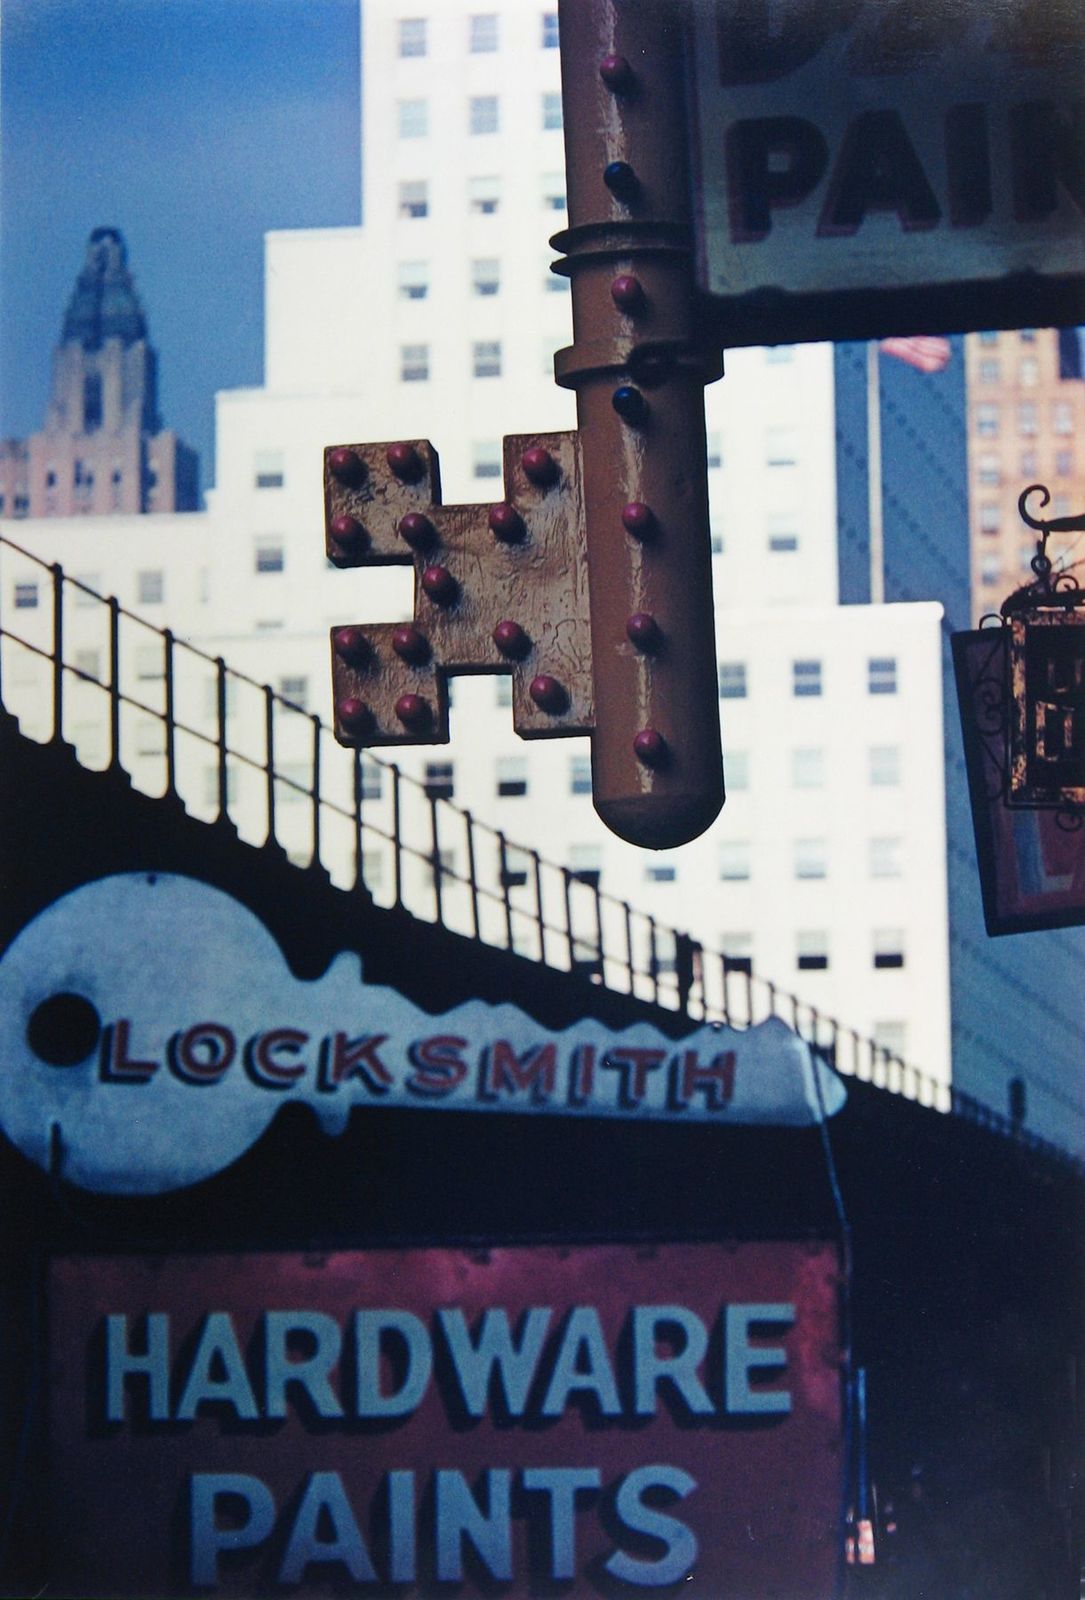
(989, 467)
(989, 370)
(992, 336)
(150, 591)
(808, 768)
(483, 196)
(989, 418)
(991, 519)
(483, 34)
(483, 115)
(810, 859)
(83, 477)
(486, 360)
(810, 862)
(812, 949)
(806, 678)
(413, 279)
(269, 468)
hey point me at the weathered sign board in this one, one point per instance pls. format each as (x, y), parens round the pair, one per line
(884, 167)
(594, 1420)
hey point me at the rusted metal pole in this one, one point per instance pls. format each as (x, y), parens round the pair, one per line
(638, 365)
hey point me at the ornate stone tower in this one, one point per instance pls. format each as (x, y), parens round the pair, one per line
(102, 447)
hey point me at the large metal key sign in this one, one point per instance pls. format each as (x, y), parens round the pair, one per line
(591, 581)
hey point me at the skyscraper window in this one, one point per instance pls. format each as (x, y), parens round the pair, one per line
(414, 198)
(811, 858)
(414, 363)
(734, 860)
(412, 36)
(484, 196)
(413, 280)
(805, 678)
(808, 769)
(732, 680)
(482, 113)
(884, 765)
(811, 950)
(413, 119)
(486, 275)
(486, 358)
(885, 858)
(882, 675)
(482, 33)
(487, 459)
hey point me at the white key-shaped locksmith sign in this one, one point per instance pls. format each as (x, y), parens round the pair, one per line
(150, 1028)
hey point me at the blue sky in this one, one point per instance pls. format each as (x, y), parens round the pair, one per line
(193, 126)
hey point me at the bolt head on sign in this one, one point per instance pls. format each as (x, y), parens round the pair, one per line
(348, 537)
(412, 711)
(630, 405)
(627, 293)
(405, 462)
(351, 643)
(506, 523)
(417, 530)
(540, 466)
(411, 645)
(616, 73)
(346, 465)
(511, 640)
(639, 520)
(650, 747)
(440, 585)
(548, 694)
(644, 631)
(354, 715)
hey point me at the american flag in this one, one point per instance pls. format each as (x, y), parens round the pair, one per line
(925, 351)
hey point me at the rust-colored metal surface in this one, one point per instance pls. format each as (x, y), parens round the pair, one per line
(515, 569)
(639, 370)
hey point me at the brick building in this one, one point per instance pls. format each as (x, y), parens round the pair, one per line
(1026, 403)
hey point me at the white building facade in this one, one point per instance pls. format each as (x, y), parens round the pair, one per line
(439, 318)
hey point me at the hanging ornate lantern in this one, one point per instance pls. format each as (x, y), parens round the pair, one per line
(1021, 687)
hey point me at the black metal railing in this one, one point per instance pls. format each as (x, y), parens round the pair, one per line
(239, 752)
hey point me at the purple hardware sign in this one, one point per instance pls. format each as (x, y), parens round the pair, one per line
(602, 1420)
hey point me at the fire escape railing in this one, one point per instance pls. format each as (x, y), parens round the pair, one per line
(241, 753)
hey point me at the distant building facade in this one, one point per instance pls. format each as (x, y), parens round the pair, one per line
(102, 448)
(931, 548)
(1026, 424)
